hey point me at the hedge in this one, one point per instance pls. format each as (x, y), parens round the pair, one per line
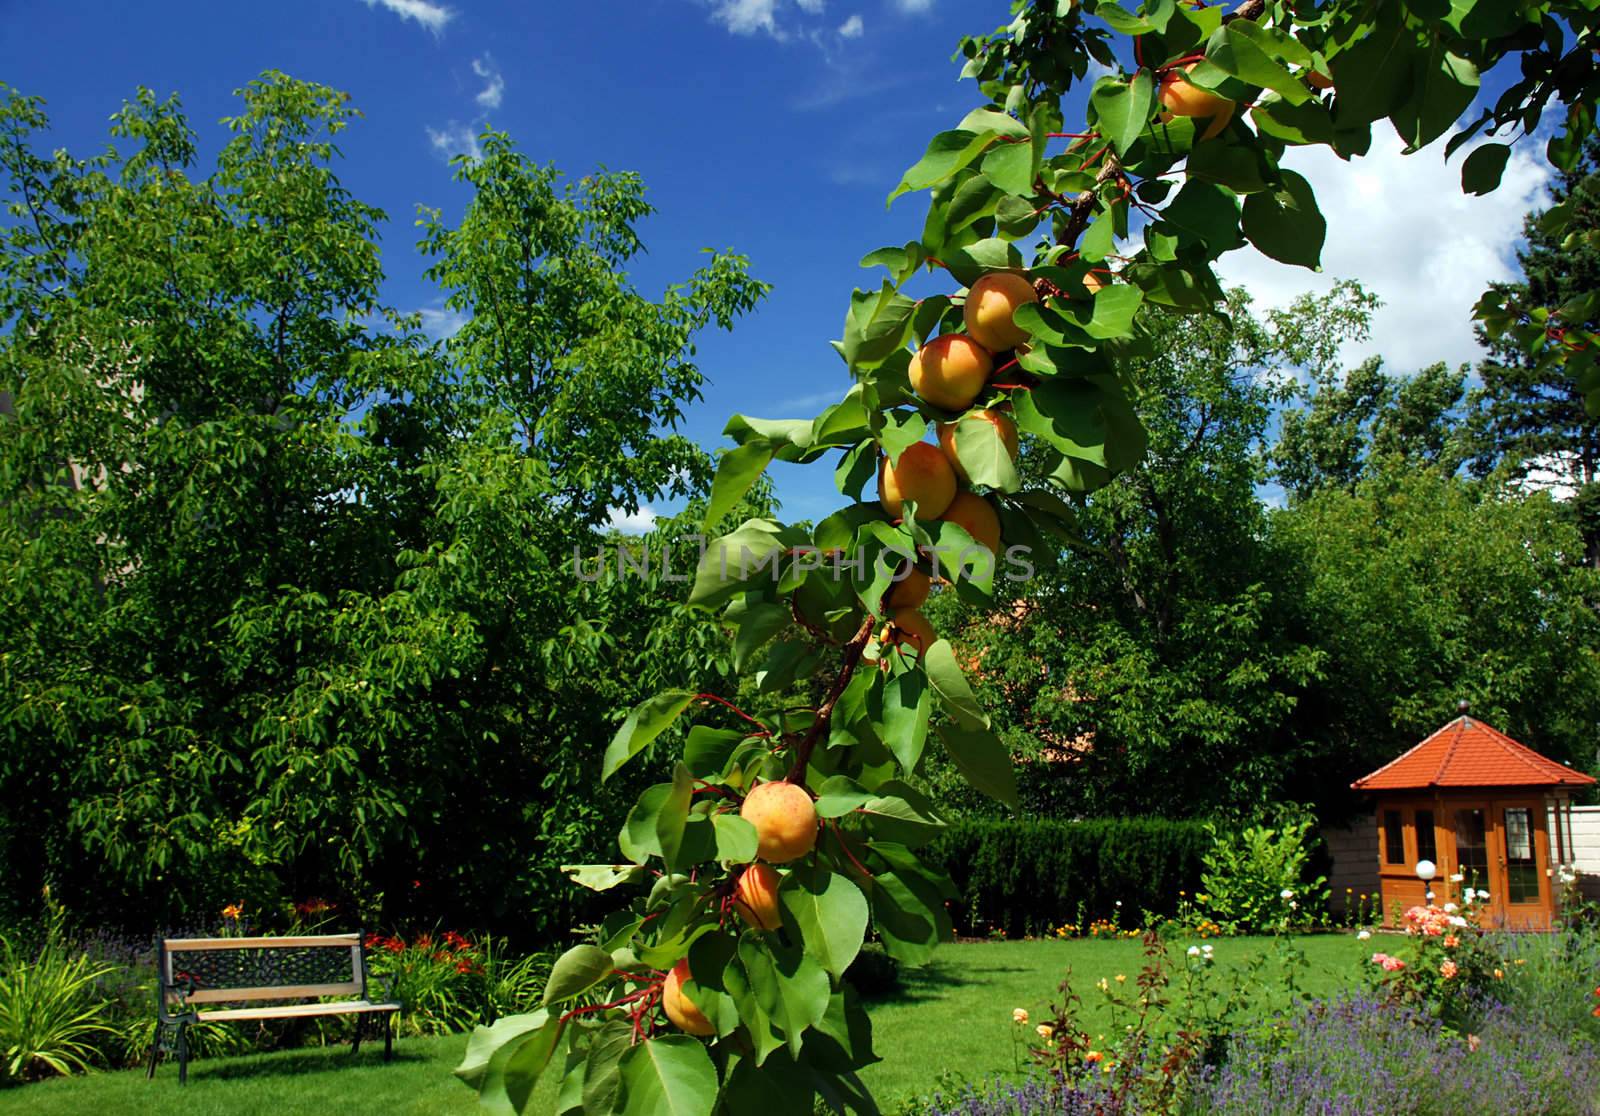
(1028, 877)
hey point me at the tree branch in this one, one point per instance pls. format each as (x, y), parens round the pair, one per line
(852, 659)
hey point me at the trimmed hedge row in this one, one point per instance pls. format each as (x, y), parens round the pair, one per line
(1028, 877)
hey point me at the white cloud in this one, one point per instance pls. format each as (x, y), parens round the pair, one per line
(494, 92)
(851, 28)
(633, 523)
(746, 17)
(812, 7)
(440, 322)
(431, 16)
(913, 7)
(455, 139)
(1402, 226)
(810, 400)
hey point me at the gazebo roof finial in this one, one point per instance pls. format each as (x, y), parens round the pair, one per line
(1462, 706)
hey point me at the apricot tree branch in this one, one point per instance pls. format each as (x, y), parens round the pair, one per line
(852, 659)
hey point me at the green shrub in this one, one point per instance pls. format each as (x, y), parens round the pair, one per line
(1257, 878)
(1027, 877)
(873, 973)
(52, 1017)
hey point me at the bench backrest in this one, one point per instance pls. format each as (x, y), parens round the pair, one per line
(217, 970)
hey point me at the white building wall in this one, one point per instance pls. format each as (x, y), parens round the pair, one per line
(1586, 847)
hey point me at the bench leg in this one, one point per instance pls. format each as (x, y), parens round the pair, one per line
(361, 1025)
(388, 1035)
(183, 1054)
(155, 1050)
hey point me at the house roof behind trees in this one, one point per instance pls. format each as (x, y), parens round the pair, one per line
(1469, 753)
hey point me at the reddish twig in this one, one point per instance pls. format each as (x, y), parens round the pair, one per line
(724, 702)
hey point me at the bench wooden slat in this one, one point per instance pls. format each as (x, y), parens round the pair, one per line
(181, 945)
(272, 992)
(282, 1011)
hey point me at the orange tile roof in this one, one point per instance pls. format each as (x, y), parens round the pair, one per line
(1468, 753)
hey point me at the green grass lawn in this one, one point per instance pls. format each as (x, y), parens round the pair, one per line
(955, 1013)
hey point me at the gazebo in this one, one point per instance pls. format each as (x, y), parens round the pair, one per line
(1480, 806)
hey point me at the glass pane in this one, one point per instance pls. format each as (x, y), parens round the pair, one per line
(1522, 876)
(1394, 845)
(1472, 849)
(1426, 849)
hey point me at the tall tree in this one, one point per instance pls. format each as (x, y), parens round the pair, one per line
(1343, 424)
(1532, 423)
(288, 606)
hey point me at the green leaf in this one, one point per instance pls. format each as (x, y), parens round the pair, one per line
(992, 122)
(670, 1076)
(576, 971)
(673, 815)
(504, 1062)
(602, 1076)
(1205, 215)
(737, 470)
(951, 685)
(901, 432)
(877, 324)
(730, 562)
(980, 756)
(1443, 87)
(1122, 108)
(984, 455)
(947, 153)
(736, 838)
(830, 914)
(1306, 123)
(603, 877)
(839, 795)
(1285, 222)
(757, 624)
(648, 720)
(907, 704)
(1374, 73)
(1010, 167)
(789, 985)
(1480, 173)
(707, 750)
(967, 264)
(1238, 53)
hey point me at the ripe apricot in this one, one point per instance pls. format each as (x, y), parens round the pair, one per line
(950, 371)
(998, 419)
(1181, 97)
(912, 627)
(755, 897)
(910, 591)
(680, 1009)
(922, 474)
(977, 515)
(785, 819)
(990, 303)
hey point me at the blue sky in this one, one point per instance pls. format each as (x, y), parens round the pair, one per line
(772, 127)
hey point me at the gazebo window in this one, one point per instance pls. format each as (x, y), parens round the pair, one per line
(1426, 848)
(1394, 842)
(1472, 848)
(1522, 874)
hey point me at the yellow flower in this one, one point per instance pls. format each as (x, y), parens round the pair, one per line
(1045, 1031)
(1121, 978)
(1093, 1056)
(233, 911)
(1020, 1016)
(1499, 974)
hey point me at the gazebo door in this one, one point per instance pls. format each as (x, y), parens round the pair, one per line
(1477, 859)
(1523, 850)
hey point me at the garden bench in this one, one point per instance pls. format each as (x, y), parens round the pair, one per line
(248, 971)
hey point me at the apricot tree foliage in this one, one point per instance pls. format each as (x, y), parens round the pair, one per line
(690, 999)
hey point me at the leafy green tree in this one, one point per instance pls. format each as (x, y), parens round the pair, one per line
(1530, 418)
(289, 602)
(1345, 424)
(1423, 589)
